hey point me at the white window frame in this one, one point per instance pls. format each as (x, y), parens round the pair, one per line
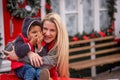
(80, 14)
(43, 12)
(96, 16)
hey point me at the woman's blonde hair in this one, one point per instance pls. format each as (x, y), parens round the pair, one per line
(62, 44)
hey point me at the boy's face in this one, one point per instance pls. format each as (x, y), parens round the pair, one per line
(34, 31)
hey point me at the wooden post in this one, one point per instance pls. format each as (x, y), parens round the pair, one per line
(93, 69)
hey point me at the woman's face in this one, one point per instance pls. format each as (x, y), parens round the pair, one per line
(49, 31)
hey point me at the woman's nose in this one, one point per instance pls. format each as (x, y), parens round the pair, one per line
(47, 32)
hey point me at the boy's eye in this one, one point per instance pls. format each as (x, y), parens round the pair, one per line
(34, 32)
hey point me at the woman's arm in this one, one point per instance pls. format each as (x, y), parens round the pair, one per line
(32, 57)
(35, 59)
(11, 54)
(50, 60)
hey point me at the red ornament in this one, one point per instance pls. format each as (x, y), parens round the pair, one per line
(85, 37)
(113, 25)
(102, 34)
(47, 6)
(92, 35)
(109, 30)
(75, 38)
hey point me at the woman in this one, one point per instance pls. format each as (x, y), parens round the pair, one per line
(56, 41)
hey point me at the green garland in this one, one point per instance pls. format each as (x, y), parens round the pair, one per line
(111, 9)
(29, 10)
(0, 45)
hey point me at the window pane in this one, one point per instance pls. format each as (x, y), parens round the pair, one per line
(71, 23)
(55, 6)
(70, 5)
(103, 3)
(88, 16)
(104, 20)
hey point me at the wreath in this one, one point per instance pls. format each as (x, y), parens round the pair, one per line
(30, 9)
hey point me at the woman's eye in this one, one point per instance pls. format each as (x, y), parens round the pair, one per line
(52, 30)
(44, 28)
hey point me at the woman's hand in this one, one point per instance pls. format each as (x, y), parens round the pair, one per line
(35, 59)
(11, 54)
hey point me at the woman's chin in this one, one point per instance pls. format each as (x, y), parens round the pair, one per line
(47, 41)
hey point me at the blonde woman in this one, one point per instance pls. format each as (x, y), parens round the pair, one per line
(55, 30)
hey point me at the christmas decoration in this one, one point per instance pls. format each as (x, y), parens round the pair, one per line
(85, 37)
(92, 35)
(23, 8)
(102, 34)
(106, 32)
(48, 6)
(0, 40)
(111, 9)
(0, 45)
(75, 38)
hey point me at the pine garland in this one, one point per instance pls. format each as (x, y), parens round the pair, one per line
(111, 9)
(0, 44)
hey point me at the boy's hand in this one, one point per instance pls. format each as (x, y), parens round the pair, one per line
(39, 40)
(33, 41)
(40, 37)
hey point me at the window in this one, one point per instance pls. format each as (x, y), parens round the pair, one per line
(71, 16)
(69, 13)
(104, 18)
(82, 15)
(88, 17)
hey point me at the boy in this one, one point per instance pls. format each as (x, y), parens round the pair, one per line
(28, 41)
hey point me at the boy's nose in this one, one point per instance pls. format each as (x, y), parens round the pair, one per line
(36, 35)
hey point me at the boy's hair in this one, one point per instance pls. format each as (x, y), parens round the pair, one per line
(36, 23)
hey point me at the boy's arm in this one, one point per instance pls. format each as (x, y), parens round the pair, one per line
(21, 48)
